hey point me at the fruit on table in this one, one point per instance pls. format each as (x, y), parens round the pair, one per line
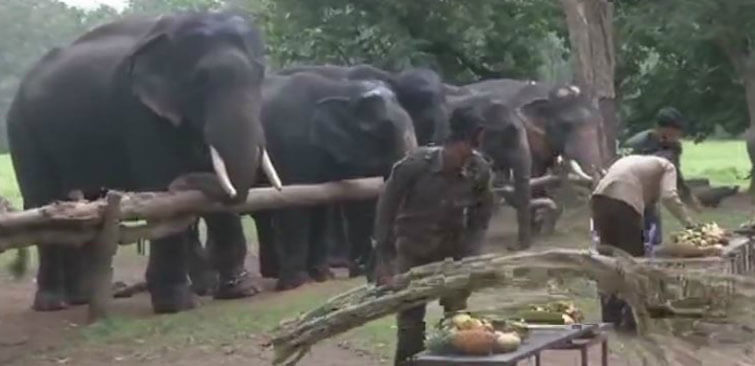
(477, 342)
(465, 321)
(507, 342)
(707, 235)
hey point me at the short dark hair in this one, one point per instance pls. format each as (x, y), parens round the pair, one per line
(466, 123)
(671, 117)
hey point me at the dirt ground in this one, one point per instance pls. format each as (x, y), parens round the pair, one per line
(32, 338)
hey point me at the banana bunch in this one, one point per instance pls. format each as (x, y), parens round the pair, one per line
(557, 312)
(706, 235)
(469, 335)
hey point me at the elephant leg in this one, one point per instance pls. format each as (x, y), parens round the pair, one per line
(227, 251)
(291, 227)
(360, 217)
(50, 294)
(338, 245)
(167, 279)
(268, 259)
(76, 269)
(203, 277)
(317, 260)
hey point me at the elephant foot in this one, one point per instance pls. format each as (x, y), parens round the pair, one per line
(356, 270)
(172, 299)
(205, 284)
(49, 301)
(338, 262)
(289, 283)
(321, 274)
(236, 286)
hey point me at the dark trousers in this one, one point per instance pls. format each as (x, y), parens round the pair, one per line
(620, 226)
(411, 322)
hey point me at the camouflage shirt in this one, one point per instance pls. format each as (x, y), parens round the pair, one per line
(433, 214)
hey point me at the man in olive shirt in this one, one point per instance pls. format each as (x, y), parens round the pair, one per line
(436, 204)
(632, 184)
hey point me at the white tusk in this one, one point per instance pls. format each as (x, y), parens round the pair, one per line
(269, 169)
(578, 170)
(219, 165)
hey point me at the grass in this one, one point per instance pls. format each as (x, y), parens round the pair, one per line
(724, 162)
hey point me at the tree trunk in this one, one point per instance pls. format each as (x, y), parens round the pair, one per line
(748, 77)
(590, 24)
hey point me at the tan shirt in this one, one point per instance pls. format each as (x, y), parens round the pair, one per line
(643, 180)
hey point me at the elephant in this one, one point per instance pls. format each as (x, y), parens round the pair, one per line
(422, 94)
(140, 104)
(505, 143)
(420, 91)
(319, 130)
(560, 121)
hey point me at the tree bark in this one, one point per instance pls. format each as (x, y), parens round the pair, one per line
(749, 82)
(590, 24)
(76, 223)
(105, 247)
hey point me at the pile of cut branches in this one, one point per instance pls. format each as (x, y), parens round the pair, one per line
(642, 286)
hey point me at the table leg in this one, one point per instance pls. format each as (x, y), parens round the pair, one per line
(583, 355)
(537, 359)
(604, 353)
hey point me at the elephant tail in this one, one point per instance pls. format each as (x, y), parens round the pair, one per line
(20, 263)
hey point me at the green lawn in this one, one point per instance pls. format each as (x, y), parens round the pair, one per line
(723, 162)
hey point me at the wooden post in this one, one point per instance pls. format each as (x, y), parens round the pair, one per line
(105, 247)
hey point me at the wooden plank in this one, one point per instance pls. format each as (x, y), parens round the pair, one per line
(104, 248)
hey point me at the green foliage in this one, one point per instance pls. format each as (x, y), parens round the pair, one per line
(31, 28)
(675, 53)
(463, 40)
(157, 7)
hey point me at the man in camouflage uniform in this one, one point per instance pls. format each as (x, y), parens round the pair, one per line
(437, 204)
(663, 141)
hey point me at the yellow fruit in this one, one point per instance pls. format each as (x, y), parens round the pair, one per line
(460, 319)
(474, 342)
(507, 342)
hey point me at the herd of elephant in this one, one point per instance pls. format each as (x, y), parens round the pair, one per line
(185, 102)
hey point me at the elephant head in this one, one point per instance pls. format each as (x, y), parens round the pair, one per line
(561, 121)
(203, 74)
(505, 143)
(422, 93)
(364, 133)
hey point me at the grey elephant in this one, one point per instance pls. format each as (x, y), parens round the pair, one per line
(318, 130)
(422, 94)
(505, 144)
(560, 122)
(139, 104)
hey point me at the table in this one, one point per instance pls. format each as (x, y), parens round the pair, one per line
(540, 339)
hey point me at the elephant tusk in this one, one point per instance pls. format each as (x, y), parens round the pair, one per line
(578, 170)
(410, 142)
(219, 165)
(269, 169)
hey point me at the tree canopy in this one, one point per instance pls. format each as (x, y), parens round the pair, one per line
(697, 56)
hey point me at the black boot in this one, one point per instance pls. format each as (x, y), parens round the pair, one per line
(411, 340)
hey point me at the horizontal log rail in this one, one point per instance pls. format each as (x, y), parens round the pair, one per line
(149, 215)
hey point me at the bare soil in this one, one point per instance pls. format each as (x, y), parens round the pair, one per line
(33, 338)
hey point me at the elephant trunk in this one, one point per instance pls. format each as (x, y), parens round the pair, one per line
(583, 148)
(234, 134)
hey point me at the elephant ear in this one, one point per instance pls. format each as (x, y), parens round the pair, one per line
(329, 128)
(150, 75)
